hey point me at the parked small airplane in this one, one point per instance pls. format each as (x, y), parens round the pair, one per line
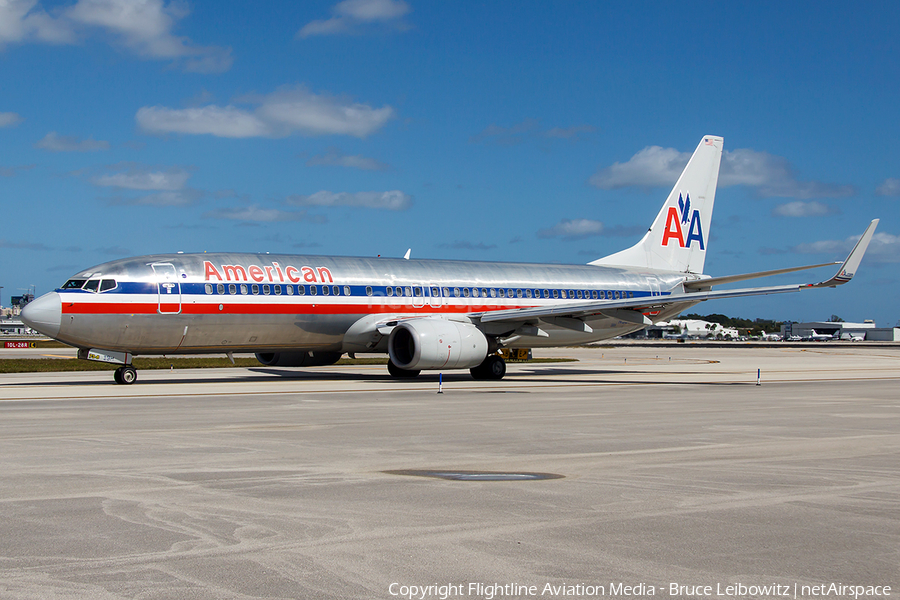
(425, 314)
(771, 337)
(818, 337)
(848, 336)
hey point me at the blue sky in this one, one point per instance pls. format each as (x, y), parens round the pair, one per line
(510, 131)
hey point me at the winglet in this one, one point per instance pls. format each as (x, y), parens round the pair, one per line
(849, 266)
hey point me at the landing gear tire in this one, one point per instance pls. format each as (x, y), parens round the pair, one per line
(399, 373)
(125, 375)
(492, 368)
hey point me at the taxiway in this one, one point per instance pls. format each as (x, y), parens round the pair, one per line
(671, 465)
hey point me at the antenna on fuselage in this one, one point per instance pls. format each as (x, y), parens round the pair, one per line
(406, 256)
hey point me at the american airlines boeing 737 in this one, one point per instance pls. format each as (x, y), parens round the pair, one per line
(425, 314)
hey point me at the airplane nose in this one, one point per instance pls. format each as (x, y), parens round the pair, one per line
(44, 314)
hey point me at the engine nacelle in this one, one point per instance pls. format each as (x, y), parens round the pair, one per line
(436, 344)
(306, 358)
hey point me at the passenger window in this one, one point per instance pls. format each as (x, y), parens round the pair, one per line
(243, 289)
(493, 293)
(266, 289)
(208, 288)
(277, 290)
(313, 290)
(255, 289)
(501, 293)
(435, 292)
(418, 290)
(446, 292)
(456, 292)
(301, 290)
(465, 292)
(336, 290)
(347, 290)
(232, 289)
(474, 292)
(528, 293)
(325, 290)
(408, 291)
(519, 294)
(289, 289)
(390, 291)
(594, 294)
(220, 288)
(547, 294)
(631, 294)
(368, 290)
(509, 293)
(579, 293)
(556, 294)
(563, 292)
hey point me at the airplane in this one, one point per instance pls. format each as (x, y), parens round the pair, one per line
(818, 337)
(853, 337)
(771, 337)
(295, 311)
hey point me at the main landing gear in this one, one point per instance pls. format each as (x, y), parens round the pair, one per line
(492, 368)
(125, 375)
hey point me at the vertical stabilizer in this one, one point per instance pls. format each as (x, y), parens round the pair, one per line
(677, 239)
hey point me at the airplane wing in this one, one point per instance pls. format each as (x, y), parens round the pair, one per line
(633, 309)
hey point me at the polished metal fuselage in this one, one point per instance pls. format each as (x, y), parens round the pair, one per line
(204, 303)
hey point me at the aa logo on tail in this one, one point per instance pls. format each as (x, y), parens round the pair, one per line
(674, 222)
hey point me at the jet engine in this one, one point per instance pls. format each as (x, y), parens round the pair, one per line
(307, 358)
(436, 344)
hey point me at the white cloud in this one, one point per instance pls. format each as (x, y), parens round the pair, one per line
(137, 177)
(333, 157)
(183, 197)
(804, 209)
(281, 113)
(67, 143)
(256, 213)
(890, 187)
(227, 121)
(772, 176)
(9, 119)
(13, 171)
(573, 229)
(21, 21)
(145, 27)
(352, 16)
(653, 166)
(392, 200)
(884, 248)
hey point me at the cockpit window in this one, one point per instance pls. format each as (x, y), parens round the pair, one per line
(91, 285)
(107, 284)
(73, 284)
